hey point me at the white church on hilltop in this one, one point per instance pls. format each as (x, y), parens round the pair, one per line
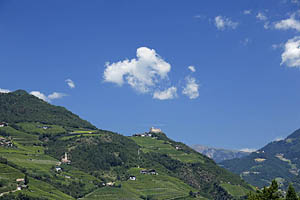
(155, 130)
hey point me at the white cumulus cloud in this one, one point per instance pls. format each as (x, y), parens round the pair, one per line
(291, 54)
(169, 93)
(142, 73)
(191, 88)
(290, 23)
(70, 83)
(39, 95)
(54, 95)
(192, 68)
(4, 90)
(222, 23)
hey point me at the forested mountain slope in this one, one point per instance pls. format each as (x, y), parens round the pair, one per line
(278, 160)
(47, 152)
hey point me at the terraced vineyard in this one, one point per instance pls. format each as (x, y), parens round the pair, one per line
(159, 186)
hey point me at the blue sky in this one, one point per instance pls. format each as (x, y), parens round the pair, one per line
(218, 73)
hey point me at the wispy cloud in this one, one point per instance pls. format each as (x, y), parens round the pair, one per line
(222, 23)
(191, 88)
(169, 93)
(261, 16)
(291, 54)
(70, 83)
(192, 68)
(54, 95)
(4, 90)
(247, 12)
(246, 41)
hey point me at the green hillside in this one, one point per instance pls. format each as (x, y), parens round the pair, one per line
(19, 106)
(99, 163)
(278, 160)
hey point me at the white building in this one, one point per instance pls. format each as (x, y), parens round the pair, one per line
(155, 130)
(132, 178)
(65, 159)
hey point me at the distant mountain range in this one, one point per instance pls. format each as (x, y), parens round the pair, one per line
(278, 160)
(219, 155)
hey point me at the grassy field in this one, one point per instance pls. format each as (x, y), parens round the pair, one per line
(235, 190)
(40, 129)
(79, 135)
(20, 136)
(159, 187)
(151, 144)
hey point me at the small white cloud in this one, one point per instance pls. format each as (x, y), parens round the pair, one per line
(191, 88)
(290, 23)
(246, 41)
(169, 93)
(4, 90)
(223, 22)
(39, 95)
(70, 83)
(267, 25)
(247, 12)
(143, 73)
(200, 16)
(248, 150)
(277, 46)
(192, 68)
(54, 95)
(291, 54)
(261, 16)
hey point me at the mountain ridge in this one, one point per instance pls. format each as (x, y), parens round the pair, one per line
(219, 154)
(278, 160)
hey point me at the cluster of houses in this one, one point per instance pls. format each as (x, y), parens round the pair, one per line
(144, 171)
(142, 135)
(64, 160)
(150, 171)
(21, 184)
(2, 124)
(149, 134)
(5, 142)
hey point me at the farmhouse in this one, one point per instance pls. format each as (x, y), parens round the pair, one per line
(20, 180)
(151, 172)
(2, 124)
(110, 183)
(132, 178)
(58, 169)
(5, 142)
